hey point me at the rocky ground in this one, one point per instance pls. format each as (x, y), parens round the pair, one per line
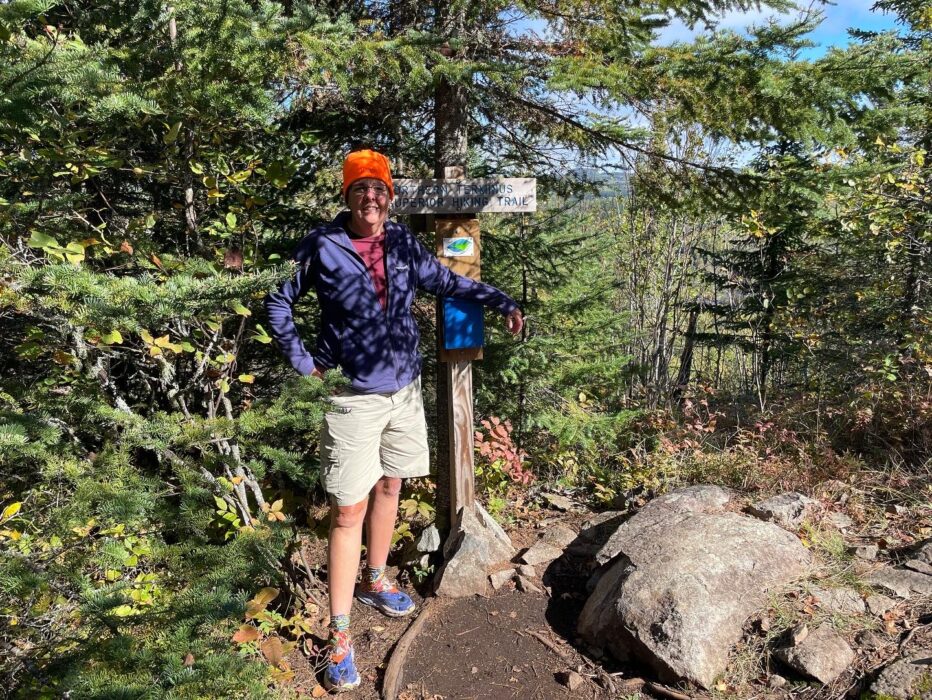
(859, 621)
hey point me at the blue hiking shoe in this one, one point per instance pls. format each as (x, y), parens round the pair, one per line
(341, 674)
(384, 596)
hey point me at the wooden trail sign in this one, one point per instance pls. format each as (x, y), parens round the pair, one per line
(460, 324)
(462, 196)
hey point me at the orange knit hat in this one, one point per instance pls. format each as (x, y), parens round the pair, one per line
(366, 163)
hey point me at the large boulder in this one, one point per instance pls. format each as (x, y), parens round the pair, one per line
(906, 679)
(683, 577)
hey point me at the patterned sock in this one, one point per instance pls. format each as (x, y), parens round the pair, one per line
(340, 642)
(374, 573)
(340, 623)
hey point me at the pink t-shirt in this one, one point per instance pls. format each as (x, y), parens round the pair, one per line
(372, 251)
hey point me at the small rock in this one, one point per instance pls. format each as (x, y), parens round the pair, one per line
(787, 510)
(846, 601)
(907, 679)
(869, 640)
(824, 655)
(570, 679)
(776, 681)
(867, 552)
(924, 552)
(901, 582)
(920, 566)
(798, 635)
(500, 578)
(474, 669)
(527, 570)
(878, 604)
(429, 541)
(559, 502)
(540, 553)
(839, 521)
(526, 585)
(558, 536)
(897, 509)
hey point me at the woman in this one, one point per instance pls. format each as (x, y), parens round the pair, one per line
(365, 270)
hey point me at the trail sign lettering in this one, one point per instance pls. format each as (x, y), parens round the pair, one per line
(503, 195)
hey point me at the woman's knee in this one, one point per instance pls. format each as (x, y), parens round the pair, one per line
(348, 516)
(388, 486)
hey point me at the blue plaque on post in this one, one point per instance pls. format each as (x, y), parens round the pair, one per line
(463, 325)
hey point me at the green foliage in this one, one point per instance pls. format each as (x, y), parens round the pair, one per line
(145, 188)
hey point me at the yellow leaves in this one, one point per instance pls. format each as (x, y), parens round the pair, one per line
(165, 343)
(260, 602)
(247, 378)
(156, 346)
(85, 530)
(73, 252)
(213, 191)
(10, 511)
(274, 512)
(8, 514)
(114, 337)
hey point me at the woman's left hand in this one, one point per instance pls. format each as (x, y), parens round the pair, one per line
(514, 322)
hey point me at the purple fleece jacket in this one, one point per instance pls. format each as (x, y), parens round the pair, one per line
(376, 349)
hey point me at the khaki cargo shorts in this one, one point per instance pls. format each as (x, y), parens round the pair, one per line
(367, 436)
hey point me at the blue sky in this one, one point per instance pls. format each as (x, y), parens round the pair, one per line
(839, 17)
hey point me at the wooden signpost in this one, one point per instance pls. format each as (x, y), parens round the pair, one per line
(460, 324)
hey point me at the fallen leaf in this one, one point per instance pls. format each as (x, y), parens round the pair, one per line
(246, 633)
(319, 691)
(272, 650)
(189, 659)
